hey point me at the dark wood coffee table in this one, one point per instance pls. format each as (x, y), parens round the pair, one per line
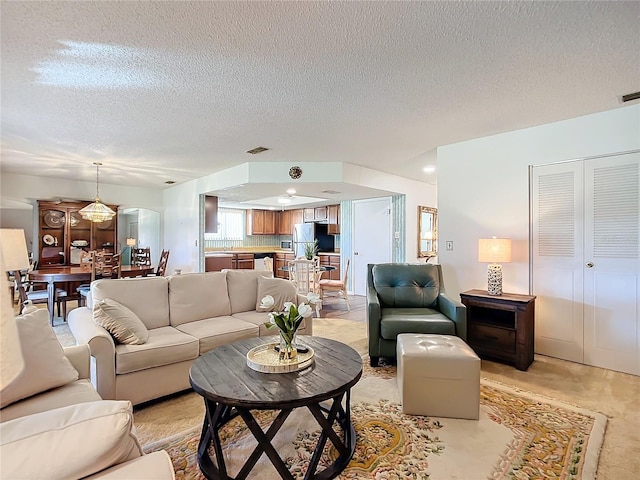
(230, 389)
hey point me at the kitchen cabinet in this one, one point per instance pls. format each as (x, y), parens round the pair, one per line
(501, 327)
(269, 222)
(215, 263)
(281, 260)
(330, 260)
(329, 214)
(63, 233)
(232, 261)
(261, 222)
(255, 222)
(333, 218)
(309, 215)
(210, 214)
(320, 214)
(243, 261)
(297, 216)
(284, 223)
(287, 219)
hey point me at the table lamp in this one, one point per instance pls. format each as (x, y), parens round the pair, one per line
(13, 257)
(494, 251)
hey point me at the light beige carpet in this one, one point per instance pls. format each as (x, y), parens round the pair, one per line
(519, 435)
(615, 394)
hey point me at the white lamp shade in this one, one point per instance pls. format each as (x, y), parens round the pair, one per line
(13, 247)
(11, 360)
(494, 250)
(131, 242)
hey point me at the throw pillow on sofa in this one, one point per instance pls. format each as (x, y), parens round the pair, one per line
(280, 289)
(45, 365)
(124, 325)
(68, 442)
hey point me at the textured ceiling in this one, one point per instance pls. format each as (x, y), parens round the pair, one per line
(176, 90)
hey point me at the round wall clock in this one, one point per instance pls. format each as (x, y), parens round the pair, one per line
(295, 172)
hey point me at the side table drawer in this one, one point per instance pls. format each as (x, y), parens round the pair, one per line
(492, 338)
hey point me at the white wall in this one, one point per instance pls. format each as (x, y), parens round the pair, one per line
(179, 205)
(182, 226)
(181, 202)
(22, 218)
(149, 234)
(417, 193)
(27, 189)
(483, 188)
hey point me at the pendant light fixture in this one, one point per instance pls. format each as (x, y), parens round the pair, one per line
(97, 211)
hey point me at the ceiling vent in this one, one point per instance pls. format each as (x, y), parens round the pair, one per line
(630, 96)
(255, 151)
(330, 192)
(169, 182)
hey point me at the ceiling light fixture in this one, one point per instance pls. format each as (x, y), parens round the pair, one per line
(295, 172)
(291, 191)
(429, 169)
(284, 200)
(97, 212)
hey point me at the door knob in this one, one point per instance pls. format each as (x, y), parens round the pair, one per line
(590, 264)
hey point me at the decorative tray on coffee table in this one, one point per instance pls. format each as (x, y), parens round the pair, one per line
(266, 359)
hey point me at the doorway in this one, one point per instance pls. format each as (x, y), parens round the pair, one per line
(372, 241)
(585, 261)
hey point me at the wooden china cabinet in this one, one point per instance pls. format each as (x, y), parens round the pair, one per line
(63, 233)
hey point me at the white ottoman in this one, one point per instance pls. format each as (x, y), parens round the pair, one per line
(438, 376)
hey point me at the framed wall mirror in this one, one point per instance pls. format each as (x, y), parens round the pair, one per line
(427, 232)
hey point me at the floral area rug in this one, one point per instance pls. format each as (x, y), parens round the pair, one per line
(520, 435)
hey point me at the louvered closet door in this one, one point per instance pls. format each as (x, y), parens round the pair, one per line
(557, 260)
(612, 246)
(586, 249)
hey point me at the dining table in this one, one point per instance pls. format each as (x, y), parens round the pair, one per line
(53, 275)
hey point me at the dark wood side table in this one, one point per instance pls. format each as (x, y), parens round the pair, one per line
(230, 389)
(501, 327)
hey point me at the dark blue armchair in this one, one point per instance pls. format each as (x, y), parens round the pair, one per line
(408, 298)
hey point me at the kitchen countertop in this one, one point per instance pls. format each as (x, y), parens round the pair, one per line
(224, 252)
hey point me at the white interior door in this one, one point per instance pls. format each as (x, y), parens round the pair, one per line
(586, 249)
(371, 238)
(612, 249)
(557, 260)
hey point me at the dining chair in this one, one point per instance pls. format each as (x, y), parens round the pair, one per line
(27, 293)
(268, 264)
(86, 260)
(304, 274)
(23, 277)
(86, 263)
(112, 267)
(103, 265)
(162, 265)
(141, 256)
(339, 286)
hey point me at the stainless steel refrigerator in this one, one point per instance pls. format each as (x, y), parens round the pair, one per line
(303, 234)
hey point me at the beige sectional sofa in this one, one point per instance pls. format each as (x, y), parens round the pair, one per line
(53, 423)
(185, 316)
